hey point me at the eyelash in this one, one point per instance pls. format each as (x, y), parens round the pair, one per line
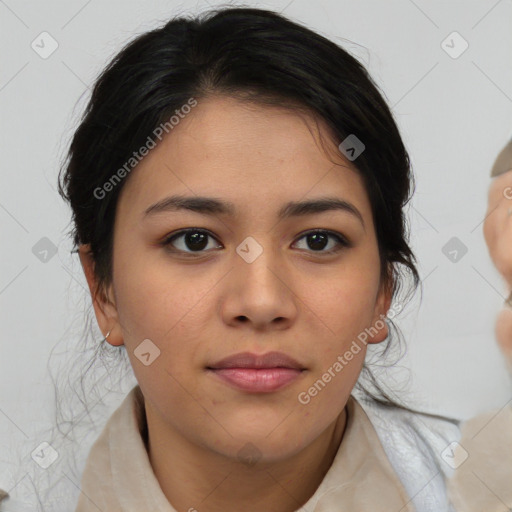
(343, 243)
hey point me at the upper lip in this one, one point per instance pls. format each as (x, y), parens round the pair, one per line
(249, 360)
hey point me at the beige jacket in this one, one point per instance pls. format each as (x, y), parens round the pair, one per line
(118, 476)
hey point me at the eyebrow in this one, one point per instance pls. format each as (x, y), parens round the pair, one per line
(213, 206)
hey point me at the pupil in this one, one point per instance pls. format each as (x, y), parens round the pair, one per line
(319, 240)
(196, 240)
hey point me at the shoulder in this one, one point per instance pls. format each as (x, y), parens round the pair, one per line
(430, 433)
(419, 446)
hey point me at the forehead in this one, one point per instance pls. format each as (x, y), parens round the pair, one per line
(225, 147)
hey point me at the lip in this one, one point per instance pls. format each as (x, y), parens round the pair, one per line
(255, 373)
(249, 360)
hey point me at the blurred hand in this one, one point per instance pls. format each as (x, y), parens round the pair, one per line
(498, 225)
(504, 334)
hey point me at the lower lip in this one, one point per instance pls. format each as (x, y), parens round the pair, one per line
(258, 380)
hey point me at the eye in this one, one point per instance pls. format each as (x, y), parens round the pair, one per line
(195, 240)
(190, 240)
(318, 239)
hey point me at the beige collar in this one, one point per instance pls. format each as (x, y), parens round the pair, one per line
(118, 475)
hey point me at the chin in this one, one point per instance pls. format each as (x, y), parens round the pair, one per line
(265, 425)
(270, 438)
(258, 452)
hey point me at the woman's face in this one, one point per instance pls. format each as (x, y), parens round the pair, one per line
(246, 279)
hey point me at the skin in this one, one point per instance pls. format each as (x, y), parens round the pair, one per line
(498, 236)
(200, 309)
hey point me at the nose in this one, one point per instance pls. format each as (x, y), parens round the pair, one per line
(259, 294)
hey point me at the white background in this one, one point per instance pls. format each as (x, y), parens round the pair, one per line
(455, 115)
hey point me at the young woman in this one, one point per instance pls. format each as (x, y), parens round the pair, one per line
(237, 186)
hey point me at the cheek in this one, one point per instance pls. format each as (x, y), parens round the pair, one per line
(155, 297)
(342, 309)
(344, 303)
(156, 303)
(325, 393)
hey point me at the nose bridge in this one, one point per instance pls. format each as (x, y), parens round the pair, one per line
(257, 263)
(259, 291)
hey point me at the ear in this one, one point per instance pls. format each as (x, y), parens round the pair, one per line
(102, 301)
(378, 330)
